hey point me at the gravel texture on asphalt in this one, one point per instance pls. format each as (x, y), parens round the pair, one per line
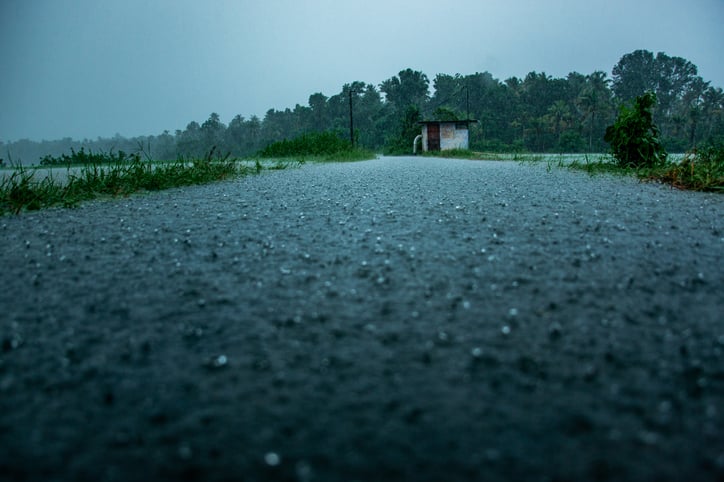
(396, 319)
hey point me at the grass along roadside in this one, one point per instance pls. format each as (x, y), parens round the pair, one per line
(700, 170)
(52, 184)
(21, 189)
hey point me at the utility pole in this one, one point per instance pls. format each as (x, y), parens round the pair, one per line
(351, 118)
(467, 102)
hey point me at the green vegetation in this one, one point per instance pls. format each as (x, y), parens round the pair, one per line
(637, 149)
(699, 170)
(316, 146)
(407, 130)
(634, 137)
(312, 144)
(600, 165)
(446, 114)
(22, 190)
(537, 113)
(82, 158)
(91, 175)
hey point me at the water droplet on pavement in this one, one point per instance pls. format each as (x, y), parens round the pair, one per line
(218, 361)
(272, 459)
(184, 452)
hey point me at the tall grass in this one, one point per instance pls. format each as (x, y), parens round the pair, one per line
(699, 170)
(316, 147)
(22, 191)
(314, 144)
(92, 175)
(82, 158)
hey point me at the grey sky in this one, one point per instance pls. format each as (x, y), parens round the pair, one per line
(88, 68)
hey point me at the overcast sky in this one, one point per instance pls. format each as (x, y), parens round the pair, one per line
(89, 68)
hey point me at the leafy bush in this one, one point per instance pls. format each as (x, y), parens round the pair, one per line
(571, 142)
(633, 137)
(311, 144)
(494, 145)
(407, 130)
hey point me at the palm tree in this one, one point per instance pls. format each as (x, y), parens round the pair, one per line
(594, 100)
(558, 114)
(713, 111)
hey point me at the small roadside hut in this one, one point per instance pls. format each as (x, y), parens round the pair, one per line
(444, 135)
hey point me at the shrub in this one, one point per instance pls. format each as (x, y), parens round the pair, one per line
(407, 130)
(311, 144)
(633, 137)
(700, 170)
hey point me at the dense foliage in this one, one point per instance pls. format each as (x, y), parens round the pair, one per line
(634, 137)
(403, 135)
(311, 144)
(538, 113)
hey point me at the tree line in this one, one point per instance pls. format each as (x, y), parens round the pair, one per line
(538, 113)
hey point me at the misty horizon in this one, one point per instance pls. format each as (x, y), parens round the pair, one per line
(183, 124)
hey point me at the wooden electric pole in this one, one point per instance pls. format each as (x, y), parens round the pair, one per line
(467, 102)
(351, 119)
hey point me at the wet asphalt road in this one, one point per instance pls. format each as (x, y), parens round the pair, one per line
(397, 319)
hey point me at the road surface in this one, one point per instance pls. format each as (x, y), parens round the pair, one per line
(396, 319)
